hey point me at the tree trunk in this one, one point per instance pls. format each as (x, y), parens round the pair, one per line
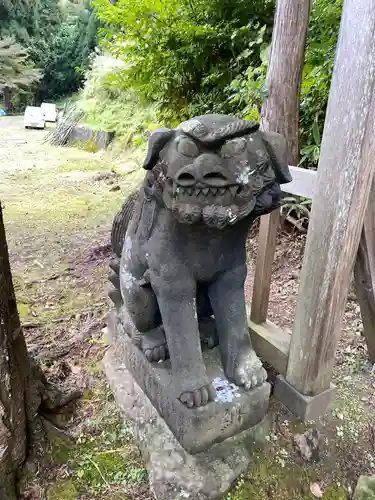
(23, 389)
(6, 94)
(280, 113)
(13, 375)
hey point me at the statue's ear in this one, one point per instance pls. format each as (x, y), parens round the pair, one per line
(277, 148)
(156, 142)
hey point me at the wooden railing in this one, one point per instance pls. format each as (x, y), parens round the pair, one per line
(273, 343)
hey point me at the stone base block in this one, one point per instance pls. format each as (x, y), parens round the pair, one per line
(233, 411)
(84, 133)
(173, 472)
(304, 407)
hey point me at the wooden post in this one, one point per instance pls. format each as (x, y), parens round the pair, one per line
(344, 178)
(280, 113)
(364, 273)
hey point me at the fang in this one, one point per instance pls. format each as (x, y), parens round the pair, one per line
(233, 190)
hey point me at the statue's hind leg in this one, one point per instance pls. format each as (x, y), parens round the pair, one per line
(147, 320)
(206, 322)
(142, 308)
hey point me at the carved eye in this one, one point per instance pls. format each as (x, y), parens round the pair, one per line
(187, 147)
(234, 147)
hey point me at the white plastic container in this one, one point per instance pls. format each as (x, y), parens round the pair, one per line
(50, 112)
(34, 117)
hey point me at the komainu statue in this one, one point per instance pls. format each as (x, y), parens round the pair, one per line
(180, 243)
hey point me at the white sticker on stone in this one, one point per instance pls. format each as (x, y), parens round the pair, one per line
(225, 390)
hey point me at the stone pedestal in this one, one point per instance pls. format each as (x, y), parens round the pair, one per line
(173, 472)
(190, 453)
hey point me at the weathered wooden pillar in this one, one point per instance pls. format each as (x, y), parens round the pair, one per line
(364, 274)
(344, 178)
(280, 113)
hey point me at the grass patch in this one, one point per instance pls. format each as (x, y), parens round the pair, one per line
(62, 490)
(103, 458)
(60, 203)
(268, 478)
(86, 165)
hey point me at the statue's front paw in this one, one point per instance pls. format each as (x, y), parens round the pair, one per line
(248, 371)
(198, 397)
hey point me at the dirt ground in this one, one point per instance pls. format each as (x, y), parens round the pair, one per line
(58, 207)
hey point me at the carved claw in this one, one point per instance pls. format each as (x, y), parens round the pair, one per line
(156, 354)
(198, 398)
(154, 345)
(248, 371)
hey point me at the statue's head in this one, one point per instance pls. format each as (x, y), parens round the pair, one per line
(212, 168)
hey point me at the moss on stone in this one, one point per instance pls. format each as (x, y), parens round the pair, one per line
(62, 490)
(267, 478)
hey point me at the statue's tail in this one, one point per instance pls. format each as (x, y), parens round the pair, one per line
(119, 227)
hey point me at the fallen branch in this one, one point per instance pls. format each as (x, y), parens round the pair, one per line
(296, 223)
(52, 354)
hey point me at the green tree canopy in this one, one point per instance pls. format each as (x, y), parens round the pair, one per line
(15, 69)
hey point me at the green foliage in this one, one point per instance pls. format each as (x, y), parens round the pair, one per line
(317, 74)
(25, 20)
(111, 108)
(102, 458)
(298, 207)
(184, 54)
(249, 90)
(64, 55)
(63, 489)
(15, 69)
(191, 57)
(59, 36)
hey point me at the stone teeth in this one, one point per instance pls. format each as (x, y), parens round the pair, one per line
(205, 191)
(197, 192)
(213, 190)
(190, 190)
(222, 190)
(233, 190)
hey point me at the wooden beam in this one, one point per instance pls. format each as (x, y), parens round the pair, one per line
(271, 343)
(263, 268)
(364, 274)
(344, 178)
(303, 183)
(280, 113)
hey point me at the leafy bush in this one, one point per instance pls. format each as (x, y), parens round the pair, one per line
(317, 74)
(109, 107)
(183, 54)
(190, 57)
(249, 91)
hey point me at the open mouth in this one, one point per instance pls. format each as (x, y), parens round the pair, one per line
(228, 192)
